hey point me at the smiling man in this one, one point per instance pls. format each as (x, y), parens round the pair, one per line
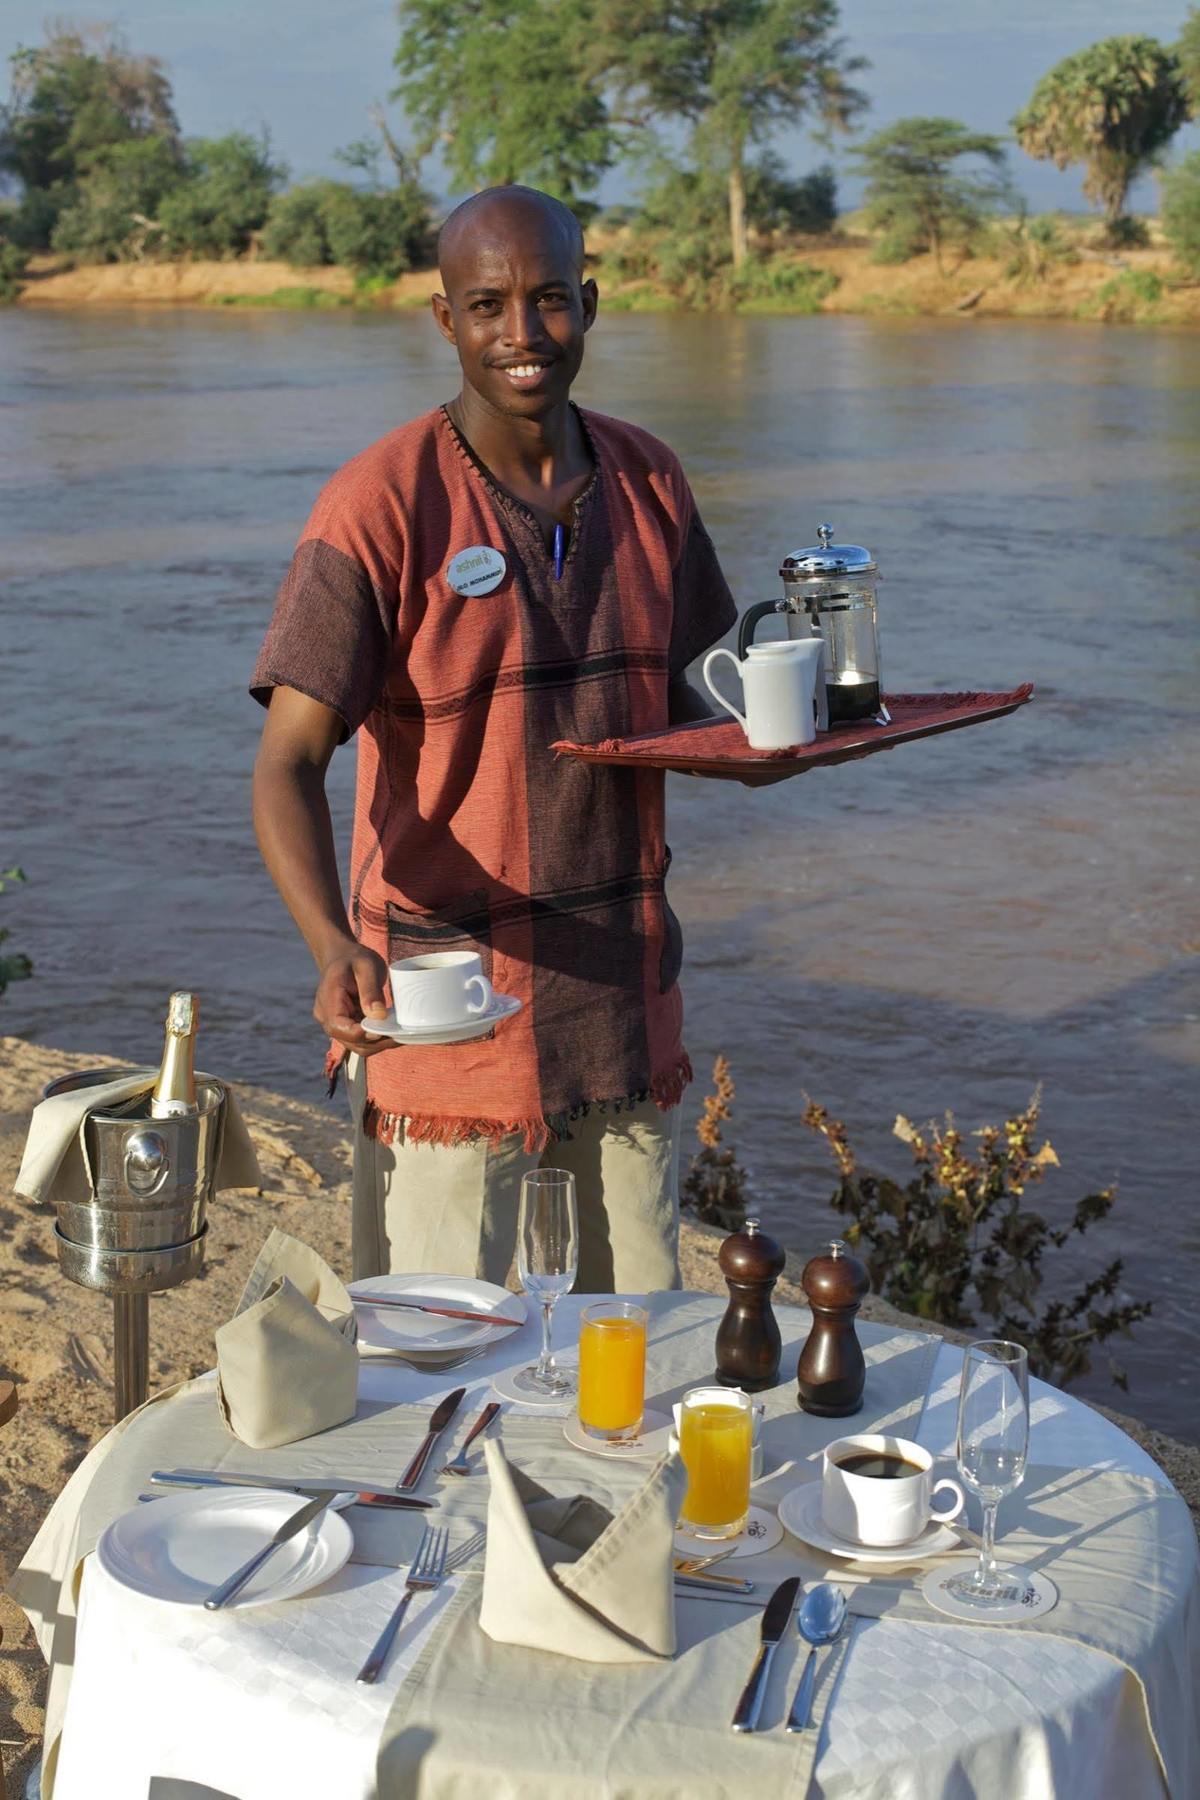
(503, 572)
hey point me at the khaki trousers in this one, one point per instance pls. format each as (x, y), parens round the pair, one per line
(453, 1208)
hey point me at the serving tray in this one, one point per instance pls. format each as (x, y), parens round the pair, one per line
(719, 747)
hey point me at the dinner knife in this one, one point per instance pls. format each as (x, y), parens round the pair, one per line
(442, 1416)
(775, 1620)
(440, 1312)
(291, 1525)
(294, 1484)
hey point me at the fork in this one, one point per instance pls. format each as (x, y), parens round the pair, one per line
(692, 1565)
(460, 1465)
(428, 1568)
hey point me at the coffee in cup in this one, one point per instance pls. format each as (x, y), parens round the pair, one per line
(430, 993)
(878, 1490)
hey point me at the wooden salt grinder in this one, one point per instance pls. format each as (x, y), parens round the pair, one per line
(748, 1341)
(831, 1372)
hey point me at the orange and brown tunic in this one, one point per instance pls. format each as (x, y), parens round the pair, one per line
(468, 833)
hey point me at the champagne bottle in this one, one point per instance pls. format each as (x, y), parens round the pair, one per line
(174, 1095)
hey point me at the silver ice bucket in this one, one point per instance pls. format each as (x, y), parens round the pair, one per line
(143, 1229)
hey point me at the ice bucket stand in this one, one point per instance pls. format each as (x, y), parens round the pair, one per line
(144, 1228)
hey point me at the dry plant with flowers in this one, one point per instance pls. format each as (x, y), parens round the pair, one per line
(956, 1244)
(714, 1188)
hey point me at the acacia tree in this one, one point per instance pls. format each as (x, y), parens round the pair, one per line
(1112, 107)
(735, 70)
(919, 194)
(1187, 55)
(500, 88)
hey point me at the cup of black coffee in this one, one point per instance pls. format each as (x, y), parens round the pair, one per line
(879, 1490)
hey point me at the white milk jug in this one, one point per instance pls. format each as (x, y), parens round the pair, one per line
(784, 688)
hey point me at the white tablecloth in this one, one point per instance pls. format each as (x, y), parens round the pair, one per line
(173, 1704)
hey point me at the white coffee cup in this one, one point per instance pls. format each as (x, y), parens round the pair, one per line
(429, 992)
(784, 688)
(881, 1510)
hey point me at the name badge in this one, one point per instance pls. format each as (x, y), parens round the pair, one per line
(476, 570)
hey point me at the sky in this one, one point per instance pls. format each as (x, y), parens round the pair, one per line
(309, 70)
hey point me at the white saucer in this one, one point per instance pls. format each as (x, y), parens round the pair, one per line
(184, 1546)
(762, 1531)
(800, 1511)
(650, 1442)
(503, 1007)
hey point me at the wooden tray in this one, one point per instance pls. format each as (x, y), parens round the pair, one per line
(719, 747)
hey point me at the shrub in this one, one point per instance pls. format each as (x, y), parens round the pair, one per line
(113, 215)
(1130, 298)
(957, 1244)
(223, 196)
(13, 966)
(714, 1189)
(1181, 212)
(1035, 245)
(374, 232)
(775, 285)
(12, 268)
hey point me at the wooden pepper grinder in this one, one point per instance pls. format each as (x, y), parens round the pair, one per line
(748, 1341)
(831, 1372)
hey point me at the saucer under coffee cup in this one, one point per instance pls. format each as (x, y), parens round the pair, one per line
(878, 1490)
(435, 991)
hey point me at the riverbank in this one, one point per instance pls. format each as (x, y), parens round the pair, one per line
(1091, 284)
(55, 1338)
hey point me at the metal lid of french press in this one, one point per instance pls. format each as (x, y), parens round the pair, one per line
(827, 558)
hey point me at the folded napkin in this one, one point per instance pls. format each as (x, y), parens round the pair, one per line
(565, 1575)
(55, 1165)
(286, 1362)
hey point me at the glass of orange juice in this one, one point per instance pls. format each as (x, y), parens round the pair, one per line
(612, 1368)
(716, 1431)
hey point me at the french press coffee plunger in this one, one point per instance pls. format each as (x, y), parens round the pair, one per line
(829, 592)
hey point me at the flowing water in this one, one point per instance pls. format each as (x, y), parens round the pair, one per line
(941, 927)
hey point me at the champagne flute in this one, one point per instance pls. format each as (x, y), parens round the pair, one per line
(547, 1261)
(993, 1444)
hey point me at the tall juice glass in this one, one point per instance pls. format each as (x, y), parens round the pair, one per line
(716, 1431)
(612, 1369)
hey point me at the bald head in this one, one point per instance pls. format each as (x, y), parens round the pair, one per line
(499, 214)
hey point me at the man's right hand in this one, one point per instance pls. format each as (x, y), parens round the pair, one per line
(353, 987)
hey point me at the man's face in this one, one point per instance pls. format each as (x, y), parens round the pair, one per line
(516, 309)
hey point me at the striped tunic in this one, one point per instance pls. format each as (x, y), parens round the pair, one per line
(468, 832)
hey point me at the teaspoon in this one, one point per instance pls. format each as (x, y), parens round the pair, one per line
(819, 1621)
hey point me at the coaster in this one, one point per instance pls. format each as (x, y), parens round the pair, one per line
(550, 1406)
(762, 1531)
(650, 1442)
(1028, 1596)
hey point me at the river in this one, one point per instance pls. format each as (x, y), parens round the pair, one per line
(942, 927)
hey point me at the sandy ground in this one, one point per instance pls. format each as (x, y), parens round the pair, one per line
(980, 287)
(55, 1337)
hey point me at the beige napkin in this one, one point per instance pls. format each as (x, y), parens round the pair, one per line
(286, 1362)
(55, 1164)
(565, 1575)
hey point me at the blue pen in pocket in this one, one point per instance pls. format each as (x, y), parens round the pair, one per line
(559, 541)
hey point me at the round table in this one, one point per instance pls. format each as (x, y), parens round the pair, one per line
(169, 1702)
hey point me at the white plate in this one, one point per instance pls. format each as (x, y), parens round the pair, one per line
(503, 1007)
(182, 1547)
(393, 1328)
(650, 1442)
(800, 1512)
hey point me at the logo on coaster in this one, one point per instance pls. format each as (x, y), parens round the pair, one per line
(476, 570)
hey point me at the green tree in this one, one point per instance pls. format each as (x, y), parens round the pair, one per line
(72, 100)
(1112, 107)
(111, 216)
(223, 198)
(919, 194)
(1181, 212)
(1187, 55)
(500, 88)
(734, 70)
